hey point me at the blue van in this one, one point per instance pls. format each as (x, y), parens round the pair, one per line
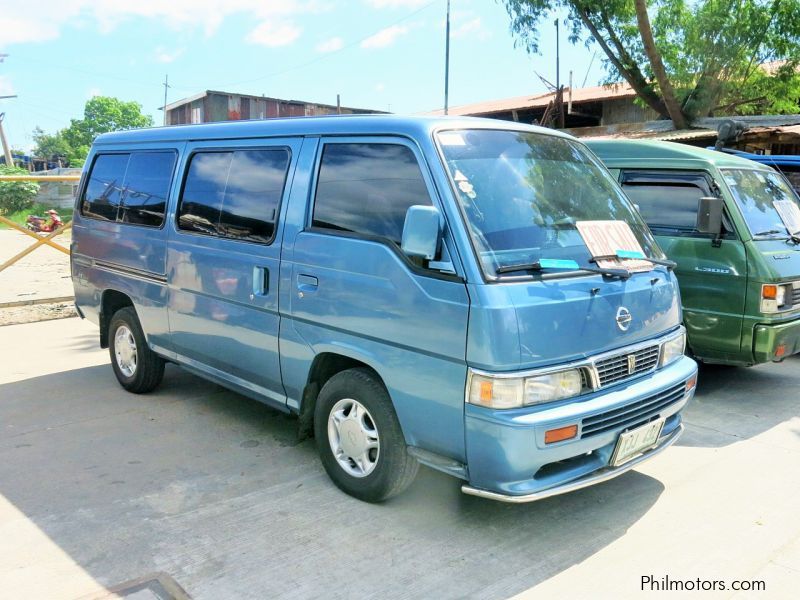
(787, 164)
(414, 290)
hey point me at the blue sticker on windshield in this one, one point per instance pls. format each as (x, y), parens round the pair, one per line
(555, 263)
(630, 254)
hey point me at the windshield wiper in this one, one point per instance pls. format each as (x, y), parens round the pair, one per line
(544, 264)
(793, 237)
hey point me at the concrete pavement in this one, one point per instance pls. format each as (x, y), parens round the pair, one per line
(98, 487)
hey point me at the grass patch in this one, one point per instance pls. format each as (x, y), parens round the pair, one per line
(21, 216)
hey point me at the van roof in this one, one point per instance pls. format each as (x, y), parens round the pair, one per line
(643, 150)
(322, 125)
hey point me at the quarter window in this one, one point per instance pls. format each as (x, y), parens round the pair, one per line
(234, 194)
(367, 189)
(104, 188)
(147, 182)
(129, 188)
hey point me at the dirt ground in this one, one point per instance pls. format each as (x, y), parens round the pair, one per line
(42, 274)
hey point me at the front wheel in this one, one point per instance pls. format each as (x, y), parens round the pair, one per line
(359, 438)
(138, 369)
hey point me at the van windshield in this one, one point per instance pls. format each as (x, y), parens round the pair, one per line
(755, 192)
(522, 193)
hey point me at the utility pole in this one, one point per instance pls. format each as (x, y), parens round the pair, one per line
(166, 87)
(3, 141)
(6, 149)
(447, 57)
(558, 67)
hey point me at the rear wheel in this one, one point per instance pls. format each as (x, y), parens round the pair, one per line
(359, 438)
(138, 369)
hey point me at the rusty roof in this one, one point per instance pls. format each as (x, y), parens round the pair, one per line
(579, 96)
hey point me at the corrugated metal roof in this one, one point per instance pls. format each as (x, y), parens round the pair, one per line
(579, 96)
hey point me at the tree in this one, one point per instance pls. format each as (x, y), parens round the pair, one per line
(101, 115)
(684, 58)
(16, 195)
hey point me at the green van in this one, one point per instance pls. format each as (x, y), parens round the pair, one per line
(738, 257)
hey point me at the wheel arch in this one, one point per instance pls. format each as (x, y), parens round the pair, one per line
(111, 301)
(325, 365)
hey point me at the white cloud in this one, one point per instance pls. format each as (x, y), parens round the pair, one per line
(19, 25)
(396, 3)
(385, 37)
(379, 87)
(6, 87)
(164, 56)
(92, 92)
(472, 28)
(331, 45)
(273, 34)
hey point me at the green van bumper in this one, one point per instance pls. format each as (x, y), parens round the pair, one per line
(775, 342)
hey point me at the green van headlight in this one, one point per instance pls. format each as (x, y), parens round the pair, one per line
(673, 349)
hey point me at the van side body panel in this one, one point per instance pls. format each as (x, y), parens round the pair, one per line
(130, 259)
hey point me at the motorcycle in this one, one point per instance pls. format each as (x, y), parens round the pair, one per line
(46, 224)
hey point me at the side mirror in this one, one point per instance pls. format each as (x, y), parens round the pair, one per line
(709, 215)
(421, 232)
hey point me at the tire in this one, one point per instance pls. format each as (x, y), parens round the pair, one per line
(380, 472)
(138, 369)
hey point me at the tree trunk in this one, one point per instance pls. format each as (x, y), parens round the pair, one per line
(633, 76)
(667, 92)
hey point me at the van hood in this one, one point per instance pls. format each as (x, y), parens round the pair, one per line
(546, 322)
(781, 260)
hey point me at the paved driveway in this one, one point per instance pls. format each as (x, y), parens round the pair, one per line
(98, 487)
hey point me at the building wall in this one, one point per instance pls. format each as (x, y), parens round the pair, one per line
(624, 110)
(233, 107)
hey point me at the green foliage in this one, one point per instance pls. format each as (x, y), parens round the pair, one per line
(50, 146)
(16, 195)
(101, 115)
(723, 57)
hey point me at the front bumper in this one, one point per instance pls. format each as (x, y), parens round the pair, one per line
(775, 342)
(508, 460)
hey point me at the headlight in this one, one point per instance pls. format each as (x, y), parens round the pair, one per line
(673, 349)
(775, 298)
(515, 392)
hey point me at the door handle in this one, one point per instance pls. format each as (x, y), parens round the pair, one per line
(260, 281)
(307, 283)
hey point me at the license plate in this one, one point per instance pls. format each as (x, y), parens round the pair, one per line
(632, 443)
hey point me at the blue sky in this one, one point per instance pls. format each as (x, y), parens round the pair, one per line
(383, 54)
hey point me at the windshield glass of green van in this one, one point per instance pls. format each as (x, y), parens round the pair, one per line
(755, 191)
(522, 193)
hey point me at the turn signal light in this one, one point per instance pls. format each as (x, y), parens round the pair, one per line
(780, 351)
(690, 383)
(769, 292)
(560, 434)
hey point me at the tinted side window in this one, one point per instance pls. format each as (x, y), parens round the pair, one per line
(103, 190)
(254, 190)
(234, 194)
(146, 188)
(367, 189)
(666, 200)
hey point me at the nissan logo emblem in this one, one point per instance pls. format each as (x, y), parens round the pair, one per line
(624, 318)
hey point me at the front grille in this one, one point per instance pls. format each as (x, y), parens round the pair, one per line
(616, 368)
(632, 414)
(796, 297)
